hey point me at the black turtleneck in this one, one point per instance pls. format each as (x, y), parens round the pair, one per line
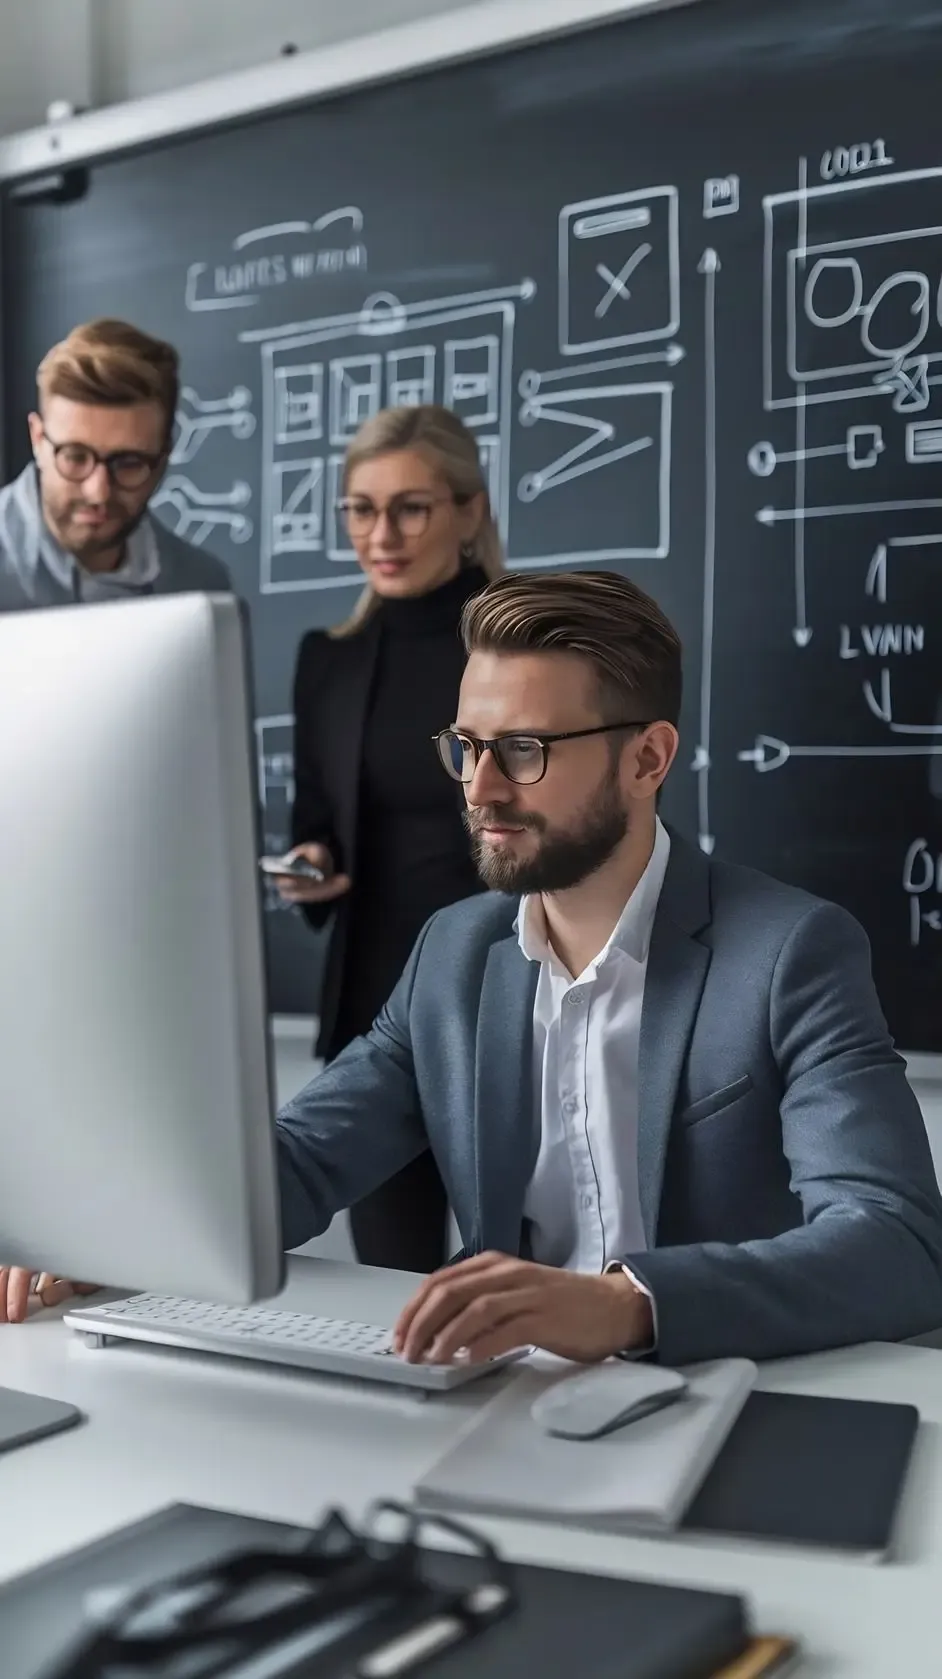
(413, 856)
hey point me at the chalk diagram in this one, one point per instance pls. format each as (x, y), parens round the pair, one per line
(615, 286)
(599, 425)
(196, 514)
(857, 319)
(191, 512)
(198, 418)
(600, 420)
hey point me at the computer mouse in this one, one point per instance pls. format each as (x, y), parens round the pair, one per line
(606, 1397)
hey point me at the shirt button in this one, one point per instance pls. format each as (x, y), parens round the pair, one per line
(587, 1202)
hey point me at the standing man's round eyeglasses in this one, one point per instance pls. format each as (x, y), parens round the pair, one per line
(410, 515)
(520, 758)
(127, 468)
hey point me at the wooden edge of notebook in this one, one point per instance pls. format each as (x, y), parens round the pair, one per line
(763, 1658)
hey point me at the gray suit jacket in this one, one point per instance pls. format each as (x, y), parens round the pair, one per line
(788, 1193)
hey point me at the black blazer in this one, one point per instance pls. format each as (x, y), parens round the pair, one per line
(332, 685)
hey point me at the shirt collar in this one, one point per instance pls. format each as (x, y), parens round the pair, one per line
(632, 932)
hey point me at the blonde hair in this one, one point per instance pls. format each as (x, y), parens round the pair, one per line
(453, 452)
(112, 364)
(599, 616)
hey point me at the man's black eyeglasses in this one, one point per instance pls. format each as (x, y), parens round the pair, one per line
(129, 469)
(520, 758)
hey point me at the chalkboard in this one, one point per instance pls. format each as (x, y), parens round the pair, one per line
(681, 276)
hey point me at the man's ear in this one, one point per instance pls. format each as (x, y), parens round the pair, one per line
(35, 430)
(654, 758)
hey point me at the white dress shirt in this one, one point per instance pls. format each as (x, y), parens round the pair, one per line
(582, 1202)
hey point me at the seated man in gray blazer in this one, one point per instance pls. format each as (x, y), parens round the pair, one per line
(660, 1088)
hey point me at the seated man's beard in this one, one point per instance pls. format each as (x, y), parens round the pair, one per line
(565, 856)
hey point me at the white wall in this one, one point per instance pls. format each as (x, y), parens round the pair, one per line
(147, 47)
(45, 54)
(99, 52)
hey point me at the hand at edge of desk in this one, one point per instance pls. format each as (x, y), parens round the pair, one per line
(492, 1304)
(19, 1289)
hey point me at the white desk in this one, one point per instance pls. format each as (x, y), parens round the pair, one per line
(165, 1426)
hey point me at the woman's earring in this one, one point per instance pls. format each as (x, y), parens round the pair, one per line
(467, 551)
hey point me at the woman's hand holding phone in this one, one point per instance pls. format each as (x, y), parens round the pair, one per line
(301, 889)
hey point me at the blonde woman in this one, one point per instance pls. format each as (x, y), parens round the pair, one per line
(372, 809)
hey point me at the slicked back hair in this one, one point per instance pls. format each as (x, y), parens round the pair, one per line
(599, 616)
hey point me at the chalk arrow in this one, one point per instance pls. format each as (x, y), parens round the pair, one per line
(852, 509)
(709, 267)
(767, 754)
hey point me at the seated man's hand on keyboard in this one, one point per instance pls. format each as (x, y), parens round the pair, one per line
(493, 1304)
(19, 1289)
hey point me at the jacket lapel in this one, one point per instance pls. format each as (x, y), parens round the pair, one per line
(506, 1124)
(677, 968)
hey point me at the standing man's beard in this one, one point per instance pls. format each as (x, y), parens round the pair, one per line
(565, 857)
(87, 544)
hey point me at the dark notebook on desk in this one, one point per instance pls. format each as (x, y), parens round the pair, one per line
(566, 1624)
(809, 1471)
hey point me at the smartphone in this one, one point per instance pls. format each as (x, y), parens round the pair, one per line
(299, 867)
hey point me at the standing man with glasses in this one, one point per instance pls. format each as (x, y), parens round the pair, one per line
(75, 527)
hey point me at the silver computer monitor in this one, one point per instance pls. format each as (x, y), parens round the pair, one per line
(136, 1115)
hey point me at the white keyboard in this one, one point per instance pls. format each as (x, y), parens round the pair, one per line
(328, 1345)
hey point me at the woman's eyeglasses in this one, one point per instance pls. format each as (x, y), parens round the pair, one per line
(520, 758)
(410, 515)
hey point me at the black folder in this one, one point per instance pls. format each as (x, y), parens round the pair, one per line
(566, 1624)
